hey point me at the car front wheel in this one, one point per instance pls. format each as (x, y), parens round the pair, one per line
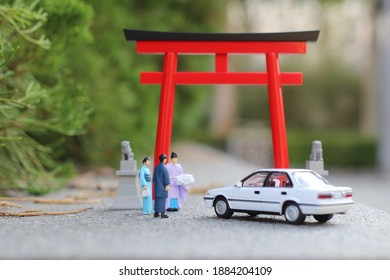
(293, 214)
(222, 208)
(323, 218)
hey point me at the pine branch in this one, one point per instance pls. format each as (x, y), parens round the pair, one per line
(25, 20)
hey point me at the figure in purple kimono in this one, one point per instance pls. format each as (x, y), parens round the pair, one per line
(177, 192)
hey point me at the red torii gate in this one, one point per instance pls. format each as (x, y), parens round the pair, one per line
(221, 44)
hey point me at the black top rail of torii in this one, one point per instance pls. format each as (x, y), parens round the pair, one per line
(145, 35)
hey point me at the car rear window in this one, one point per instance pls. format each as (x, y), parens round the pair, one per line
(307, 179)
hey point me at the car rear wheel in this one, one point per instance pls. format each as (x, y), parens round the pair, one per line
(323, 218)
(293, 214)
(222, 208)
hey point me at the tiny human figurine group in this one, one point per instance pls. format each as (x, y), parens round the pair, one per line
(167, 190)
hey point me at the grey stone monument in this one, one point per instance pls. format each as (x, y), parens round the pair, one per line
(129, 192)
(316, 161)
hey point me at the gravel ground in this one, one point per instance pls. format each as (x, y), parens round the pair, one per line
(192, 233)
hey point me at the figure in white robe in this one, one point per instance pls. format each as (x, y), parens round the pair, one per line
(177, 193)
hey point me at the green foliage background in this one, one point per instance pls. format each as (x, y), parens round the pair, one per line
(69, 83)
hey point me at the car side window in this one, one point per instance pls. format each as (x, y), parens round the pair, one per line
(278, 179)
(256, 180)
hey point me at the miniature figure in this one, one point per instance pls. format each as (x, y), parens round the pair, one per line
(303, 193)
(176, 191)
(146, 184)
(161, 186)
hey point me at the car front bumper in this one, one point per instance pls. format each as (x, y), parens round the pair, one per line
(208, 201)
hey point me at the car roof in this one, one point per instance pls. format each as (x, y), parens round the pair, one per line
(288, 170)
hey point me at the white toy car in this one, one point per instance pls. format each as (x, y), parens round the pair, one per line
(294, 193)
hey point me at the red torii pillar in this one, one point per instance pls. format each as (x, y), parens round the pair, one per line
(221, 44)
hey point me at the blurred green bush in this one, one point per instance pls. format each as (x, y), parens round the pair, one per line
(341, 148)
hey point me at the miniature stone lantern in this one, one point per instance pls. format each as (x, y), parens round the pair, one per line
(316, 161)
(128, 194)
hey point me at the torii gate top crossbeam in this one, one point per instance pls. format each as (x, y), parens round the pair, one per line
(212, 43)
(144, 35)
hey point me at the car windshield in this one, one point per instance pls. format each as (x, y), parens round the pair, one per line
(308, 179)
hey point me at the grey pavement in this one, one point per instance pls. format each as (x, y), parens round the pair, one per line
(195, 232)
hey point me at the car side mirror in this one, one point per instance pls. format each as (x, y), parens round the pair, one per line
(239, 184)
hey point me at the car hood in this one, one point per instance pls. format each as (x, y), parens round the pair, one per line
(223, 190)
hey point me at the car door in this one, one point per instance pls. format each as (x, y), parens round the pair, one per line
(275, 191)
(247, 196)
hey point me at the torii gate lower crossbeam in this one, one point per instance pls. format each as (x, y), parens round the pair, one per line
(221, 44)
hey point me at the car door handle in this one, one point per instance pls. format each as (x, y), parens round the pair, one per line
(257, 192)
(283, 193)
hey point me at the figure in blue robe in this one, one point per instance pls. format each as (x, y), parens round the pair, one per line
(146, 182)
(161, 186)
